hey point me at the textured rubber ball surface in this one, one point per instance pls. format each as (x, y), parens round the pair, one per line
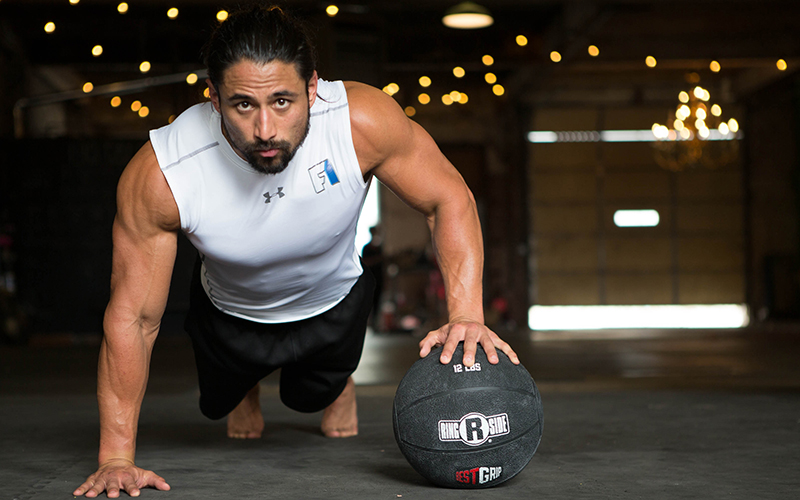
(467, 427)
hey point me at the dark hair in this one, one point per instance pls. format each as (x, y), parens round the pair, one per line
(260, 34)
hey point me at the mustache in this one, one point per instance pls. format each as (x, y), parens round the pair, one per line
(270, 144)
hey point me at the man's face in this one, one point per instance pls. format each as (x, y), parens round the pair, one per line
(265, 112)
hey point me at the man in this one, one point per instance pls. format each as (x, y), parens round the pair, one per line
(280, 284)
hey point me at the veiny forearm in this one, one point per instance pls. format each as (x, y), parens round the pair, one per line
(456, 232)
(123, 370)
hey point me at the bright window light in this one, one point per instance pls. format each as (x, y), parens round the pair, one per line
(644, 316)
(627, 136)
(370, 216)
(636, 218)
(549, 136)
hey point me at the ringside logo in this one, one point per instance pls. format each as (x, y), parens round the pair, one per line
(474, 428)
(478, 475)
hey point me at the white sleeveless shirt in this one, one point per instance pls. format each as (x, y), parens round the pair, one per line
(274, 248)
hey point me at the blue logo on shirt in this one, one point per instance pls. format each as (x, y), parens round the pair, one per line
(321, 173)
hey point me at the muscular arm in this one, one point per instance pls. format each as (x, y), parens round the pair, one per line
(145, 242)
(406, 159)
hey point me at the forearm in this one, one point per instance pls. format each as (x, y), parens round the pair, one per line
(458, 243)
(123, 370)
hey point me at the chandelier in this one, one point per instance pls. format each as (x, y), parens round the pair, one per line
(696, 135)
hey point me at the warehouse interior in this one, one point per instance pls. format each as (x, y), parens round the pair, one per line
(663, 346)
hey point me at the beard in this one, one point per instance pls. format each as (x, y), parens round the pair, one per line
(268, 165)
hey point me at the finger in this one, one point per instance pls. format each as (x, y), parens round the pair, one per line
(429, 342)
(157, 481)
(508, 351)
(471, 337)
(489, 349)
(80, 490)
(96, 489)
(455, 334)
(129, 485)
(161, 484)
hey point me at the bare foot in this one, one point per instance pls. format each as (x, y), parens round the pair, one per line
(246, 421)
(340, 418)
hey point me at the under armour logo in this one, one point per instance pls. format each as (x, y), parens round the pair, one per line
(279, 194)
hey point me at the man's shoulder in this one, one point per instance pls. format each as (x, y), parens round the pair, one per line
(188, 133)
(377, 121)
(142, 184)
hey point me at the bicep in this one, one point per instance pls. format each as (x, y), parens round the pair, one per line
(419, 174)
(144, 237)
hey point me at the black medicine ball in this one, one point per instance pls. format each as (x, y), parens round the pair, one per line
(467, 427)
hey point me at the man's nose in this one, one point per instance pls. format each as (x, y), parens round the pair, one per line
(265, 126)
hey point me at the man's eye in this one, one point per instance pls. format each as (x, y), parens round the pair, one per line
(243, 105)
(281, 103)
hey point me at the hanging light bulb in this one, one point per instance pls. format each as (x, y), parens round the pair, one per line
(467, 15)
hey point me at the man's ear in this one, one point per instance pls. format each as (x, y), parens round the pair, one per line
(312, 89)
(213, 94)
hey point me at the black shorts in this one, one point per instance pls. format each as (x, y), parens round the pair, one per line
(316, 355)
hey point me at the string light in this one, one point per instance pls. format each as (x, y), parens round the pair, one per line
(424, 81)
(716, 110)
(651, 62)
(593, 50)
(455, 95)
(191, 78)
(136, 106)
(683, 97)
(207, 93)
(781, 65)
(391, 89)
(332, 10)
(144, 111)
(498, 90)
(172, 13)
(171, 118)
(487, 60)
(88, 87)
(490, 78)
(715, 66)
(50, 27)
(459, 72)
(522, 40)
(74, 2)
(424, 98)
(116, 101)
(410, 111)
(555, 56)
(97, 50)
(144, 67)
(447, 100)
(222, 15)
(122, 8)
(462, 98)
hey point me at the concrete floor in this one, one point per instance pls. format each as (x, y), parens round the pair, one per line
(654, 415)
